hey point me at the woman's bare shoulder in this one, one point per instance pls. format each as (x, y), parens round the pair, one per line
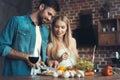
(49, 47)
(73, 40)
(50, 44)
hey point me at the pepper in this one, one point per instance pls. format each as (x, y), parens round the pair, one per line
(107, 71)
(90, 73)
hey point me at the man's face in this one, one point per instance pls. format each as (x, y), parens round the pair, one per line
(46, 14)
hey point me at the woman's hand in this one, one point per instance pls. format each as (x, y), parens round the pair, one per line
(53, 63)
(64, 56)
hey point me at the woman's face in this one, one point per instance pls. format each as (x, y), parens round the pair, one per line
(60, 28)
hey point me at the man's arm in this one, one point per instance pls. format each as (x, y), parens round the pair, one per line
(17, 55)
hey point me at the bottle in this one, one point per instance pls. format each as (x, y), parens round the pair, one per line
(117, 55)
(108, 14)
(104, 29)
(113, 29)
(95, 68)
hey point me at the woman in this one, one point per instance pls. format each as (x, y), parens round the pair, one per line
(62, 46)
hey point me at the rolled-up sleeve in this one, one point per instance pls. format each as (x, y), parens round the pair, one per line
(6, 37)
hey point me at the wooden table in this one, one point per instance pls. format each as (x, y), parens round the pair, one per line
(96, 77)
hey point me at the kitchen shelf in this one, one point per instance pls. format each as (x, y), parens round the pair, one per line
(109, 32)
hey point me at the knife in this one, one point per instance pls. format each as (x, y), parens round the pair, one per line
(45, 68)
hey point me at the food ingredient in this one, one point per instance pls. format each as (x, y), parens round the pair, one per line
(84, 65)
(90, 73)
(107, 71)
(62, 68)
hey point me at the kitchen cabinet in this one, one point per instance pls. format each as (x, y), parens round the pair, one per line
(118, 37)
(109, 32)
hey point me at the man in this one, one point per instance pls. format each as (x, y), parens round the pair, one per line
(27, 35)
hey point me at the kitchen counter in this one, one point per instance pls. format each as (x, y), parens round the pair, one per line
(97, 76)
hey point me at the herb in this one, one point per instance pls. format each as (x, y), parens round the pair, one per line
(84, 64)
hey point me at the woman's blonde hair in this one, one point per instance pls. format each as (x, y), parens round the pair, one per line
(66, 38)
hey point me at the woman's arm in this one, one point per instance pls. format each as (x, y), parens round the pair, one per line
(50, 61)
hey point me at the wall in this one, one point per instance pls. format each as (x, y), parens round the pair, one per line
(72, 9)
(102, 55)
(9, 8)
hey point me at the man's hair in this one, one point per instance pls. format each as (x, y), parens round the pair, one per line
(49, 3)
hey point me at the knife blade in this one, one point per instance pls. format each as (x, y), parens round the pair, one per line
(45, 68)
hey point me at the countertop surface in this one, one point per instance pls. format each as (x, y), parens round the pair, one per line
(97, 76)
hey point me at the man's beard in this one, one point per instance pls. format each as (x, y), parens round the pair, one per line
(40, 19)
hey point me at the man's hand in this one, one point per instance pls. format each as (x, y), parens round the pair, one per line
(36, 65)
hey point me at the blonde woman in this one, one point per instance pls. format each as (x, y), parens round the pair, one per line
(61, 49)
